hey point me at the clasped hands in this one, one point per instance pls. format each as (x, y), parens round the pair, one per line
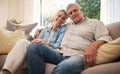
(42, 41)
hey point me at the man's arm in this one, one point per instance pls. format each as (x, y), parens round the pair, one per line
(91, 53)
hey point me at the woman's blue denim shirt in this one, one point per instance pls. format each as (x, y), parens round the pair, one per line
(56, 39)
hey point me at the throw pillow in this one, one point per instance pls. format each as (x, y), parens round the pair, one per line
(108, 52)
(28, 28)
(8, 39)
(11, 26)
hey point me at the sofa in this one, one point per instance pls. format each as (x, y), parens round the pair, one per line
(107, 68)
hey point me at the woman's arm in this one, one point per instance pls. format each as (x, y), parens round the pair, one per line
(59, 39)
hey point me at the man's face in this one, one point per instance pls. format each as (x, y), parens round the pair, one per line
(75, 13)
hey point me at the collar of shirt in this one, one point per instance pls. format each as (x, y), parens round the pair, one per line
(58, 29)
(84, 19)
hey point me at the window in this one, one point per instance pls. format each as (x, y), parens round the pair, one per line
(91, 8)
(47, 9)
(105, 10)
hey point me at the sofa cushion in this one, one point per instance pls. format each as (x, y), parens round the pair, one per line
(2, 60)
(110, 68)
(114, 29)
(49, 68)
(108, 52)
(8, 39)
(28, 28)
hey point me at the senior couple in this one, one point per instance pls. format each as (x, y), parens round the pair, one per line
(71, 47)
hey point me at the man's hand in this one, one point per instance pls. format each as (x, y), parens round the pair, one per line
(36, 33)
(90, 56)
(91, 53)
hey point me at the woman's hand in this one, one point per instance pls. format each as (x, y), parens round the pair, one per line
(45, 42)
(42, 41)
(37, 40)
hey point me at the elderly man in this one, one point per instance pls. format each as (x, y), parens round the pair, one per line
(78, 49)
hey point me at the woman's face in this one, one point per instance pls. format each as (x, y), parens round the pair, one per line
(60, 18)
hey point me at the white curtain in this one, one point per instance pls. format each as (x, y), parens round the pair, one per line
(3, 13)
(16, 9)
(110, 11)
(28, 11)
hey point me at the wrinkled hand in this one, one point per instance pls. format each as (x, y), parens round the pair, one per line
(90, 57)
(91, 53)
(42, 41)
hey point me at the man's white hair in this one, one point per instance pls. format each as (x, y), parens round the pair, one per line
(73, 4)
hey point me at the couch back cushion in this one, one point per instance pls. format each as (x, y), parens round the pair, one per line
(8, 39)
(114, 29)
